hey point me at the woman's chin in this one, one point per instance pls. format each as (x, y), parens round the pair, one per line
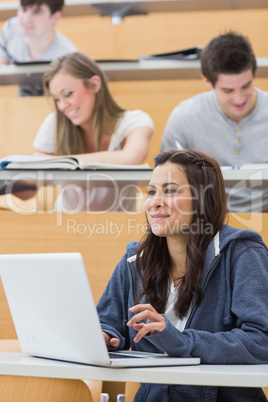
(158, 230)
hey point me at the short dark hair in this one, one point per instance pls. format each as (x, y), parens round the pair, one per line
(54, 5)
(229, 53)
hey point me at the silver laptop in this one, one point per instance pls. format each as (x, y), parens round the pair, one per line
(55, 316)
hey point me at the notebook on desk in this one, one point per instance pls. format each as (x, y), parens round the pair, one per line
(55, 316)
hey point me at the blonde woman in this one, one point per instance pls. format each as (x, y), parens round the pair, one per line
(90, 125)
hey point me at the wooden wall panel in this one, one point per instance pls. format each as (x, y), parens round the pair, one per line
(20, 119)
(162, 32)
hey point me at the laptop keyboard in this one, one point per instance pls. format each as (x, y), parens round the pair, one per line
(114, 355)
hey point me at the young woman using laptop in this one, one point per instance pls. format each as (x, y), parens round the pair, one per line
(194, 286)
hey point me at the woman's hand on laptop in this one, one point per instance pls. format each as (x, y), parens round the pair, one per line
(153, 322)
(114, 342)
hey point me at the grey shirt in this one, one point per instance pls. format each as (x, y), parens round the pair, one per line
(199, 123)
(13, 49)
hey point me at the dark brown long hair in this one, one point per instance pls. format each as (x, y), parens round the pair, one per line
(209, 202)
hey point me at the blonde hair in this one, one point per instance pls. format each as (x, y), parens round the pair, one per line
(68, 136)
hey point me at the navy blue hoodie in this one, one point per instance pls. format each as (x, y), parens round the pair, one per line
(229, 326)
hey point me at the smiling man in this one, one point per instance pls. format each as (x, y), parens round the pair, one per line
(31, 37)
(230, 122)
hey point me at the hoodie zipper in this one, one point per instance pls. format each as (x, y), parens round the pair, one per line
(131, 282)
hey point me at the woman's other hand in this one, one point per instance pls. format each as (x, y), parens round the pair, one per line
(113, 342)
(153, 321)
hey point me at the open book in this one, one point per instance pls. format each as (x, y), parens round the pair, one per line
(21, 162)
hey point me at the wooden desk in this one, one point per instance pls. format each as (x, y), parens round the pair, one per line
(122, 184)
(213, 375)
(52, 182)
(59, 177)
(122, 71)
(232, 175)
(141, 177)
(250, 176)
(244, 174)
(118, 71)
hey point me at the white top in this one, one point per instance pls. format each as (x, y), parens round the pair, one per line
(170, 312)
(45, 138)
(88, 196)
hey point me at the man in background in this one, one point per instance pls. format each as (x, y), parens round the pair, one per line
(31, 37)
(230, 122)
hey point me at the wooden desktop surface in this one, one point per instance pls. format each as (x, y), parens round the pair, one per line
(139, 176)
(122, 71)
